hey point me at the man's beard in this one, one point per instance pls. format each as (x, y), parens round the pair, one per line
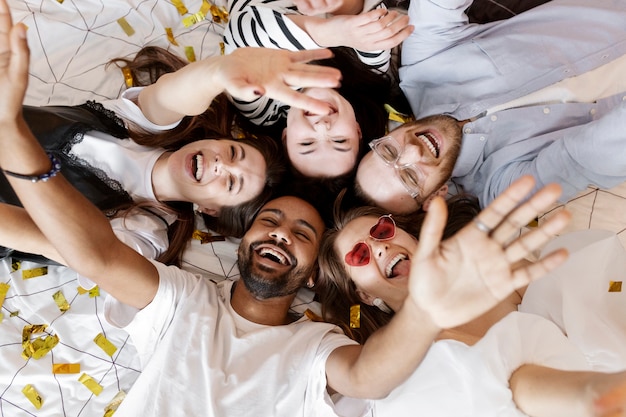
(265, 283)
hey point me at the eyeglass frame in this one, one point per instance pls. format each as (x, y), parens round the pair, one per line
(406, 167)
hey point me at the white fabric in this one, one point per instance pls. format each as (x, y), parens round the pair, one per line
(459, 380)
(194, 346)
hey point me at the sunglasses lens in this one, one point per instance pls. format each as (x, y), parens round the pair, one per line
(385, 228)
(359, 255)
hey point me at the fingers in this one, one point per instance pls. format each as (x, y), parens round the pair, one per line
(308, 55)
(496, 212)
(21, 54)
(432, 229)
(535, 270)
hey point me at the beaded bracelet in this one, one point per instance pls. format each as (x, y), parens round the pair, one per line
(56, 167)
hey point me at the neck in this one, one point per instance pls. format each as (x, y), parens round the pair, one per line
(270, 312)
(161, 178)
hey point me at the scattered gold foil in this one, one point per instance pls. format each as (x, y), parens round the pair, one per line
(4, 289)
(91, 384)
(112, 406)
(312, 316)
(615, 286)
(126, 27)
(222, 48)
(219, 13)
(104, 344)
(65, 368)
(61, 301)
(206, 237)
(396, 116)
(193, 19)
(15, 265)
(190, 54)
(355, 316)
(35, 272)
(14, 313)
(39, 347)
(128, 77)
(170, 36)
(31, 393)
(534, 222)
(182, 10)
(94, 292)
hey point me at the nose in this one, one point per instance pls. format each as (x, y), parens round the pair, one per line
(221, 166)
(281, 234)
(322, 122)
(411, 154)
(379, 248)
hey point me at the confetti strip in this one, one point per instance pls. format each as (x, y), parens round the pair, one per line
(90, 383)
(35, 272)
(39, 347)
(65, 368)
(206, 237)
(31, 393)
(15, 265)
(396, 116)
(61, 301)
(112, 406)
(104, 344)
(615, 286)
(128, 77)
(219, 13)
(170, 36)
(222, 48)
(193, 19)
(182, 10)
(355, 316)
(126, 27)
(4, 289)
(189, 52)
(94, 292)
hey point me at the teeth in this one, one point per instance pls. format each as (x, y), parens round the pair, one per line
(430, 142)
(279, 257)
(389, 270)
(199, 165)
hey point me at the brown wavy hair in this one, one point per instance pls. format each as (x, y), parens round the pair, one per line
(337, 291)
(216, 122)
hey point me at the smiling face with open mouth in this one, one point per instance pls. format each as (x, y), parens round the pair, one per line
(386, 274)
(323, 145)
(278, 254)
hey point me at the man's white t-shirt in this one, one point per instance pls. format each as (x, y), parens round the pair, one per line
(200, 358)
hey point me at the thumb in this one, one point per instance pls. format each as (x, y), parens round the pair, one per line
(244, 90)
(432, 229)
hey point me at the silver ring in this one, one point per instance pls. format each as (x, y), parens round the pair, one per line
(481, 226)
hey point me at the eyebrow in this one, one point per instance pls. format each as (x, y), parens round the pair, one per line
(308, 151)
(280, 214)
(242, 156)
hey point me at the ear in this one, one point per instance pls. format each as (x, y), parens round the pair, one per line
(443, 191)
(358, 129)
(365, 297)
(210, 211)
(283, 137)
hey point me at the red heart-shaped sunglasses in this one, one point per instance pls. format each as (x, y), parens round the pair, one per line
(384, 229)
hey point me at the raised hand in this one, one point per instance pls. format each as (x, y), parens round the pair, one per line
(251, 72)
(315, 7)
(14, 60)
(457, 280)
(375, 30)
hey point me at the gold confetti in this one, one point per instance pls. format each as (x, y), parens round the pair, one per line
(65, 368)
(170, 36)
(35, 272)
(15, 265)
(355, 316)
(126, 27)
(38, 347)
(60, 1)
(206, 237)
(31, 393)
(189, 52)
(312, 316)
(104, 344)
(615, 286)
(396, 116)
(219, 13)
(4, 289)
(193, 19)
(94, 292)
(91, 384)
(222, 48)
(534, 222)
(112, 406)
(128, 77)
(60, 301)
(14, 313)
(182, 10)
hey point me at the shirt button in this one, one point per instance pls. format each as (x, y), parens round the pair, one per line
(494, 118)
(467, 130)
(592, 111)
(482, 138)
(546, 110)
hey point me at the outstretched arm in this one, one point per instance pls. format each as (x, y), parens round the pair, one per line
(80, 232)
(190, 90)
(451, 283)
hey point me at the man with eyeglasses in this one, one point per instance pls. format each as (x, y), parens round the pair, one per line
(542, 93)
